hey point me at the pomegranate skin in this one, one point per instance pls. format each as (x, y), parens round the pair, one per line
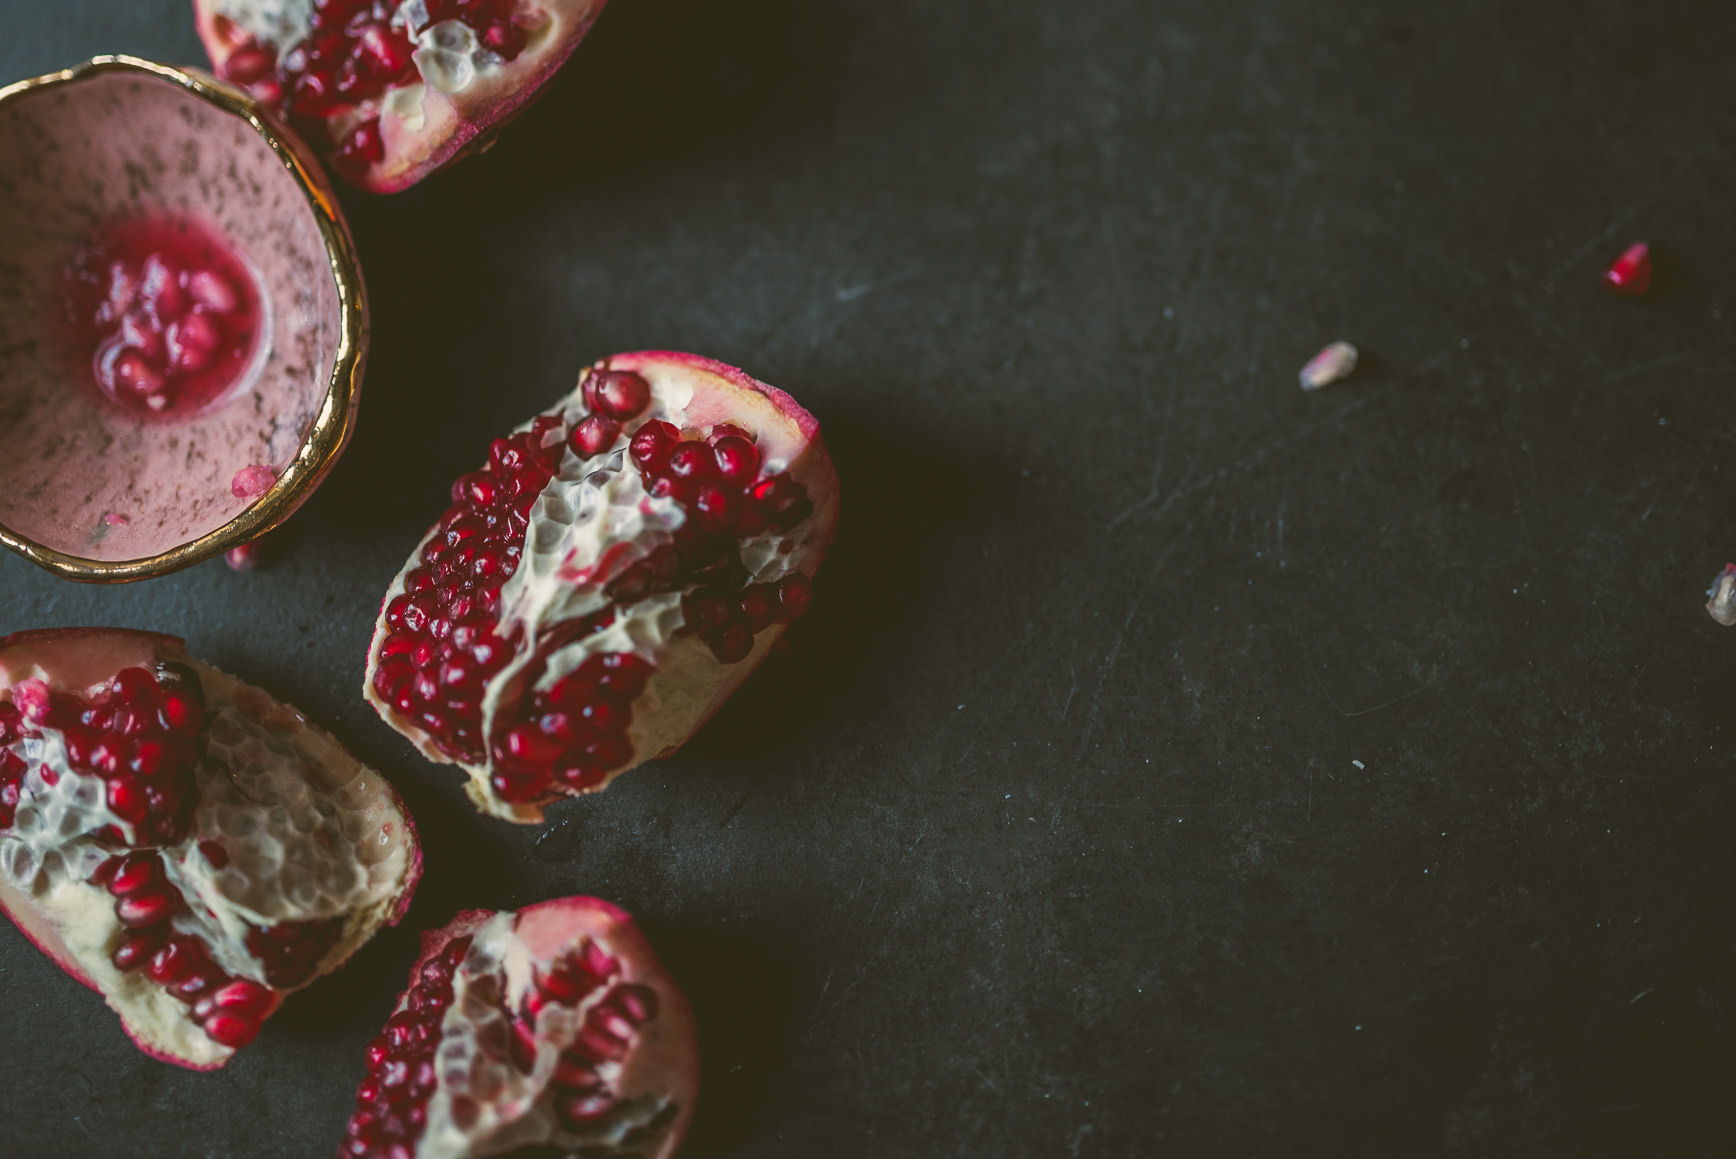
(765, 446)
(616, 1068)
(453, 125)
(63, 915)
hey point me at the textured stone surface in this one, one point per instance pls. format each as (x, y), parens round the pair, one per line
(1050, 838)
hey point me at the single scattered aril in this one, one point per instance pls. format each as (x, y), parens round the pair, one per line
(604, 582)
(1721, 597)
(1630, 274)
(552, 1031)
(180, 842)
(243, 558)
(391, 90)
(252, 482)
(163, 311)
(1330, 365)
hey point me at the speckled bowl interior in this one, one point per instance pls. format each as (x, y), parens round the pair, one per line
(78, 475)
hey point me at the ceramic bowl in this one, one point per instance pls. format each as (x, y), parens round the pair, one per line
(97, 493)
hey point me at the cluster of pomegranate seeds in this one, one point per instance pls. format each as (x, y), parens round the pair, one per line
(229, 1009)
(351, 56)
(165, 312)
(577, 730)
(292, 951)
(443, 646)
(12, 766)
(611, 1026)
(392, 1102)
(139, 733)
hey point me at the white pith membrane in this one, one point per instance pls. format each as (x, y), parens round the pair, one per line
(506, 1106)
(590, 523)
(308, 833)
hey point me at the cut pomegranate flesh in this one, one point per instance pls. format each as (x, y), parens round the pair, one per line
(180, 842)
(392, 89)
(606, 579)
(552, 1031)
(163, 312)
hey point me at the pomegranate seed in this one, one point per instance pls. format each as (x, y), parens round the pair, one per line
(1631, 273)
(249, 64)
(251, 482)
(175, 960)
(619, 394)
(759, 604)
(594, 435)
(652, 444)
(795, 594)
(521, 788)
(136, 948)
(243, 558)
(149, 907)
(233, 1030)
(738, 460)
(504, 38)
(583, 1110)
(243, 997)
(732, 644)
(134, 874)
(1331, 364)
(193, 341)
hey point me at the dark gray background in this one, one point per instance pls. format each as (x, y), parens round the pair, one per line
(1047, 839)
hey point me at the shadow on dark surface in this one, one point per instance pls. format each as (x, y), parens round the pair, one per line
(905, 491)
(741, 989)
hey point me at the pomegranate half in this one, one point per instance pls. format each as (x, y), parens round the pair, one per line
(604, 582)
(391, 90)
(182, 843)
(552, 1031)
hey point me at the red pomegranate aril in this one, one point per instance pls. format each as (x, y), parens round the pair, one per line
(692, 461)
(652, 444)
(250, 64)
(738, 460)
(1631, 273)
(760, 606)
(136, 949)
(619, 394)
(520, 786)
(364, 146)
(134, 874)
(148, 908)
(594, 435)
(174, 960)
(232, 1029)
(584, 1109)
(795, 595)
(732, 644)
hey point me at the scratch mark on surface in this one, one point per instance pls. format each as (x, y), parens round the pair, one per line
(1184, 489)
(1378, 707)
(1654, 364)
(863, 289)
(1108, 667)
(1073, 672)
(1641, 994)
(1608, 232)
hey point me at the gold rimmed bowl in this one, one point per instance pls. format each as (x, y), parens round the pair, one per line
(100, 493)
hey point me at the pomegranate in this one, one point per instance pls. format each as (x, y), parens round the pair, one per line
(603, 583)
(552, 1031)
(180, 842)
(391, 90)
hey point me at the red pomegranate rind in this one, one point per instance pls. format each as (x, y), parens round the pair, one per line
(388, 94)
(551, 1031)
(604, 583)
(180, 842)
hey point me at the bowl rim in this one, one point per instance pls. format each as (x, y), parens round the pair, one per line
(336, 419)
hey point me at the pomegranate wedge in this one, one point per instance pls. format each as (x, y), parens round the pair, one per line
(182, 843)
(604, 582)
(391, 90)
(553, 1031)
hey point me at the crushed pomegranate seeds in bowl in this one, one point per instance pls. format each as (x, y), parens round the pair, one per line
(182, 320)
(182, 843)
(604, 582)
(391, 90)
(551, 1031)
